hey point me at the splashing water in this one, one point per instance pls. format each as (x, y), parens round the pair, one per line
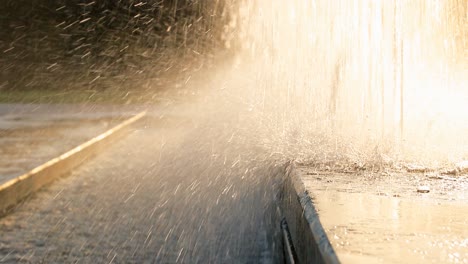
(359, 79)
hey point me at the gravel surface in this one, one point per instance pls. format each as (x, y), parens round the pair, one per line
(169, 194)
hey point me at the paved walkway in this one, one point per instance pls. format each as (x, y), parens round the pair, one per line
(167, 194)
(33, 134)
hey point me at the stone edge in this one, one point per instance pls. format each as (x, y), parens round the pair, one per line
(16, 190)
(309, 238)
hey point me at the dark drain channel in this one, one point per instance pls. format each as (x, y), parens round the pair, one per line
(290, 256)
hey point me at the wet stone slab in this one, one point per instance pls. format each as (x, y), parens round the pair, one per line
(30, 136)
(23, 149)
(386, 218)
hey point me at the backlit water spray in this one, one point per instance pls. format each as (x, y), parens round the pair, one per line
(362, 81)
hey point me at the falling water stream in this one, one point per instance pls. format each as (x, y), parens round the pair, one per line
(382, 80)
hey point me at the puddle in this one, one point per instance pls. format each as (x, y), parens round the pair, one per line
(387, 221)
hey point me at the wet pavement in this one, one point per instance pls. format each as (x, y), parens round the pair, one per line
(14, 116)
(32, 134)
(168, 193)
(382, 218)
(25, 148)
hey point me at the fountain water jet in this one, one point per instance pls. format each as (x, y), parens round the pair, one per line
(381, 77)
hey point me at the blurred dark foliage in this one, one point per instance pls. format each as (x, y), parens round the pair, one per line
(84, 44)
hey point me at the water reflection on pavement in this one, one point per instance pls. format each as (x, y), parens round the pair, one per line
(380, 222)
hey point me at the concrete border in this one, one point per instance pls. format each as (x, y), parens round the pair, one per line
(308, 237)
(16, 190)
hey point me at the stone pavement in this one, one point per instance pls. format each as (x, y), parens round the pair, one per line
(32, 134)
(168, 193)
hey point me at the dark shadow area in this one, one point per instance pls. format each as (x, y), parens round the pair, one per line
(63, 45)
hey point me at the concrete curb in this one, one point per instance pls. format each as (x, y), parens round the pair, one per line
(16, 190)
(309, 239)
